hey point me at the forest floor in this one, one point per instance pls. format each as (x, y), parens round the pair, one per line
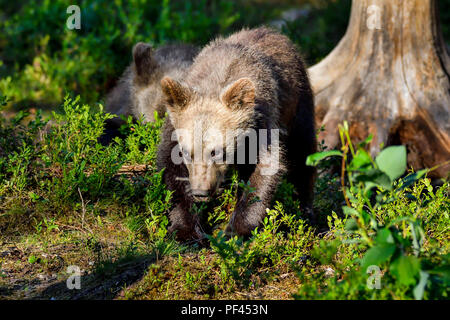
(69, 204)
(33, 268)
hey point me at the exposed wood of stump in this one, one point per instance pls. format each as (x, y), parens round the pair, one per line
(392, 82)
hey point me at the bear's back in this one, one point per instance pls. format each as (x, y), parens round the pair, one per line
(263, 55)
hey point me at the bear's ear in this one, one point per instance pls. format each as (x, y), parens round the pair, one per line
(144, 64)
(177, 96)
(239, 94)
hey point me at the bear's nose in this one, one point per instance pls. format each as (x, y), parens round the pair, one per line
(200, 195)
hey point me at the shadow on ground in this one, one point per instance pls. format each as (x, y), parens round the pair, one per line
(104, 284)
(104, 281)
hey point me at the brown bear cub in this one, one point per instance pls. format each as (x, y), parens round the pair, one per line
(138, 91)
(253, 83)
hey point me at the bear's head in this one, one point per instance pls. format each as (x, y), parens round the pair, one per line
(209, 130)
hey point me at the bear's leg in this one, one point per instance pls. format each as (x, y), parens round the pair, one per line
(185, 224)
(251, 207)
(302, 177)
(301, 143)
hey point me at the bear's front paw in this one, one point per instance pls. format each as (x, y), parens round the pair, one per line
(185, 233)
(229, 232)
(239, 228)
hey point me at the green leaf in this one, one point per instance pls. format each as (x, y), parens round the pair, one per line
(367, 217)
(351, 225)
(377, 255)
(374, 178)
(384, 236)
(32, 259)
(360, 161)
(411, 178)
(420, 288)
(443, 274)
(405, 269)
(315, 158)
(392, 161)
(350, 211)
(365, 142)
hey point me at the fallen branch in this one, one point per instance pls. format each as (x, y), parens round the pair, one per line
(133, 169)
(128, 170)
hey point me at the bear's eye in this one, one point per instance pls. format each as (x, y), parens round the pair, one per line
(183, 153)
(213, 154)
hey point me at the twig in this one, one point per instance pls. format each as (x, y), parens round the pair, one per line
(70, 227)
(125, 169)
(83, 208)
(132, 169)
(276, 288)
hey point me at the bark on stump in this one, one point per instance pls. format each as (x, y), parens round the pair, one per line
(389, 76)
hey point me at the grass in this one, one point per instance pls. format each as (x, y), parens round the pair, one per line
(64, 202)
(46, 60)
(41, 60)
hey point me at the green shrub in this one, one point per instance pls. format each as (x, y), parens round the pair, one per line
(41, 60)
(384, 222)
(53, 172)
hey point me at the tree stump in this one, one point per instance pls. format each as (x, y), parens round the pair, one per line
(389, 77)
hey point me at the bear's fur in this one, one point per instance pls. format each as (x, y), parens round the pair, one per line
(252, 79)
(138, 91)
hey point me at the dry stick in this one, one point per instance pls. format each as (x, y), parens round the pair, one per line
(439, 165)
(70, 227)
(280, 289)
(248, 295)
(126, 169)
(130, 169)
(83, 208)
